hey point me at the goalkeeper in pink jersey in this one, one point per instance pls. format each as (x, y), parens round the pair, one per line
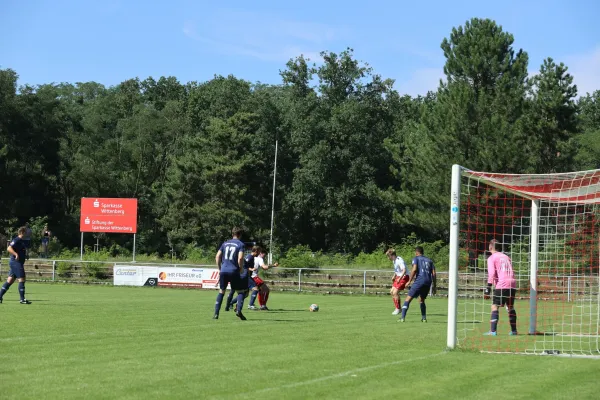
(501, 275)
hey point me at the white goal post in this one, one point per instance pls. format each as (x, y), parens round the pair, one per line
(549, 225)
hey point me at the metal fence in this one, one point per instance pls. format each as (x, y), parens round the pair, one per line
(310, 280)
(327, 281)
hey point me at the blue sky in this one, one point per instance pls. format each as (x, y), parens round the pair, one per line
(113, 40)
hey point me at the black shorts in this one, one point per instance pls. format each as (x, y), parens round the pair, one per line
(504, 297)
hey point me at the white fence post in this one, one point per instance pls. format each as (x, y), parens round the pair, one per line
(53, 270)
(299, 280)
(569, 288)
(365, 282)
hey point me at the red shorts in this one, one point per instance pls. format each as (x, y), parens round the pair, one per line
(258, 281)
(401, 283)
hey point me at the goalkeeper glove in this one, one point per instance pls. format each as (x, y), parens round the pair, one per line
(487, 291)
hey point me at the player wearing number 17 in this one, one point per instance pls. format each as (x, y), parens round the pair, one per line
(230, 262)
(501, 275)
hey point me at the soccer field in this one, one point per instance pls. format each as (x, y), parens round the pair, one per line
(129, 343)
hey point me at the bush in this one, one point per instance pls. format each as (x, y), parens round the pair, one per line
(116, 250)
(300, 257)
(337, 259)
(154, 257)
(64, 269)
(276, 252)
(377, 259)
(197, 255)
(54, 247)
(97, 270)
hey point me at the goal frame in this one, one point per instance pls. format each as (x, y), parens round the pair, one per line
(454, 248)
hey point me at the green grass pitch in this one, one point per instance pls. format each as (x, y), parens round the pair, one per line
(146, 343)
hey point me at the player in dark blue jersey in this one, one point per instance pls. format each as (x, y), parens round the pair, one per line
(17, 251)
(230, 262)
(423, 275)
(248, 266)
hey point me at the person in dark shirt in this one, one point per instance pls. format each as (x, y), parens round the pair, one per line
(46, 234)
(248, 266)
(423, 275)
(17, 251)
(230, 262)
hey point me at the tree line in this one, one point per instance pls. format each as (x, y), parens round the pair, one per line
(358, 164)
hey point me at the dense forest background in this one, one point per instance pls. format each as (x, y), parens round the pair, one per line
(358, 164)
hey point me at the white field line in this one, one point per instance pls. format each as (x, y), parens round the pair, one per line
(351, 372)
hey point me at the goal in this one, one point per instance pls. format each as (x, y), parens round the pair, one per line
(549, 225)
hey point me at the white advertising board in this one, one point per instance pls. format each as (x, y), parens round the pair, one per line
(204, 278)
(201, 278)
(127, 275)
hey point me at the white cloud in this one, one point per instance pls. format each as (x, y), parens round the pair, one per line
(263, 36)
(585, 69)
(421, 81)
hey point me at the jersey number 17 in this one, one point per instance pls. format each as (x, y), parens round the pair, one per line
(229, 252)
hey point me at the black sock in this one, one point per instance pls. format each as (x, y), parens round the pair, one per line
(423, 311)
(512, 317)
(218, 303)
(494, 321)
(4, 289)
(22, 290)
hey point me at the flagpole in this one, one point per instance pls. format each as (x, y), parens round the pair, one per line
(270, 258)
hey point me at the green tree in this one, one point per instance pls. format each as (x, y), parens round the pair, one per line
(551, 121)
(30, 127)
(206, 190)
(475, 121)
(218, 98)
(8, 113)
(338, 135)
(588, 141)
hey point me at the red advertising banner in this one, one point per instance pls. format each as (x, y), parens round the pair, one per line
(108, 215)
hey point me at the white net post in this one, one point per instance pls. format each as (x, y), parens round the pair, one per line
(453, 262)
(533, 267)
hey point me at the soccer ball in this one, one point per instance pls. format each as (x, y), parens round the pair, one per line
(313, 307)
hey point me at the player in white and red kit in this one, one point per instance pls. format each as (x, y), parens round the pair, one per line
(501, 275)
(261, 289)
(399, 279)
